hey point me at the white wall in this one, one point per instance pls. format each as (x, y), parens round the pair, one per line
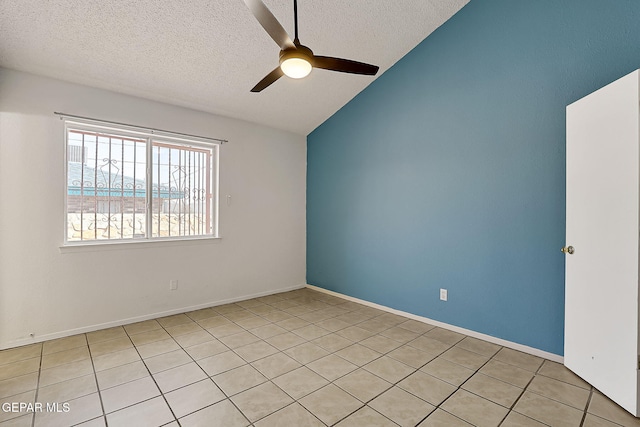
(51, 293)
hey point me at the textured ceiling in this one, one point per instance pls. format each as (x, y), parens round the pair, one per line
(207, 55)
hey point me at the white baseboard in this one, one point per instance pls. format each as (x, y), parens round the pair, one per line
(120, 322)
(523, 348)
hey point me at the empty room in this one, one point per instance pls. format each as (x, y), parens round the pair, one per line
(320, 213)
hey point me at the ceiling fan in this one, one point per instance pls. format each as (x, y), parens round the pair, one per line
(297, 60)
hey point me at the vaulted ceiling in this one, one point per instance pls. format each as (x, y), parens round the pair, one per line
(207, 55)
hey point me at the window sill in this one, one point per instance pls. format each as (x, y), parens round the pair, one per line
(136, 244)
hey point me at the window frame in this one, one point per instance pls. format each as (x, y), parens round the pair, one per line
(151, 137)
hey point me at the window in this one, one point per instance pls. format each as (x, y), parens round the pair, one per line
(126, 184)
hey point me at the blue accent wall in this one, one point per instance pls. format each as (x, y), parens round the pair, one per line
(448, 171)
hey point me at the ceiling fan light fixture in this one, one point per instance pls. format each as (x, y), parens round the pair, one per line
(296, 68)
(296, 63)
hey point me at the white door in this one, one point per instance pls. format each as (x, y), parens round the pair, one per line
(601, 278)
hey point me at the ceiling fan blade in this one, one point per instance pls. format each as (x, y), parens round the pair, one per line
(344, 65)
(270, 78)
(270, 24)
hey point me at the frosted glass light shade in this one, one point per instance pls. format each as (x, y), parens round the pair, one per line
(296, 68)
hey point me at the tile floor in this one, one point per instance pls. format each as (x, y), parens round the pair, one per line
(300, 358)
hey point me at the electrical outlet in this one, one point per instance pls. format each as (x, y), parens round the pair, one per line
(443, 295)
(173, 285)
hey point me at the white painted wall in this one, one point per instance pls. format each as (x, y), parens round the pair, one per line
(52, 293)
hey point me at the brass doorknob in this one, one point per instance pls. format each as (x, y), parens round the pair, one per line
(568, 250)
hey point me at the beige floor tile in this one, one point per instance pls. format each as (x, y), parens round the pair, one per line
(416, 326)
(106, 334)
(333, 325)
(165, 361)
(139, 327)
(411, 356)
(292, 415)
(560, 372)
(117, 358)
(519, 359)
(447, 371)
(555, 413)
(427, 388)
(157, 347)
(227, 308)
(255, 351)
(64, 356)
(429, 345)
(252, 323)
(444, 335)
(595, 421)
(220, 363)
(310, 332)
(82, 409)
(515, 419)
(96, 422)
(206, 349)
(374, 326)
(507, 373)
(300, 382)
(440, 418)
(121, 374)
(21, 421)
(275, 365)
(363, 385)
(262, 309)
(260, 401)
(366, 417)
(332, 367)
(65, 372)
(560, 391)
(332, 342)
(194, 338)
(153, 412)
(239, 379)
(465, 358)
(401, 407)
(474, 409)
(277, 316)
(330, 404)
(380, 343)
(183, 329)
(149, 337)
(400, 334)
(128, 394)
(389, 369)
(479, 346)
(306, 353)
(17, 385)
(358, 354)
(268, 331)
(293, 323)
(68, 390)
(203, 313)
(175, 320)
(239, 340)
(603, 407)
(221, 414)
(109, 346)
(492, 389)
(65, 343)
(355, 333)
(19, 368)
(215, 322)
(285, 341)
(179, 377)
(20, 353)
(26, 397)
(240, 315)
(194, 397)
